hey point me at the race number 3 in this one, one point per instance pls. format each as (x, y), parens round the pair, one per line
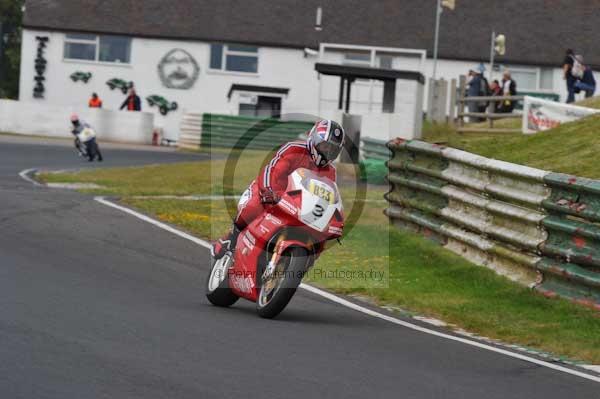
(318, 211)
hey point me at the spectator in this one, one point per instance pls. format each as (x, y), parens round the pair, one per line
(495, 88)
(496, 91)
(478, 86)
(132, 102)
(95, 101)
(587, 83)
(509, 88)
(568, 63)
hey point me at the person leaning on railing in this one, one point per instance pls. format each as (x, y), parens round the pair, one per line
(496, 91)
(477, 87)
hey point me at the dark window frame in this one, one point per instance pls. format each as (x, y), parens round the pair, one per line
(234, 58)
(82, 39)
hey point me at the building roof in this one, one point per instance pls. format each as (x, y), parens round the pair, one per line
(537, 31)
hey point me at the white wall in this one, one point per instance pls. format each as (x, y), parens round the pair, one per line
(277, 67)
(209, 94)
(43, 119)
(380, 126)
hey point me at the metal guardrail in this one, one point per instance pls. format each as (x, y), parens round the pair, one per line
(375, 149)
(228, 131)
(374, 155)
(573, 237)
(530, 225)
(190, 130)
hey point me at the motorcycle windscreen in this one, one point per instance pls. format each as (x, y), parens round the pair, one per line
(320, 199)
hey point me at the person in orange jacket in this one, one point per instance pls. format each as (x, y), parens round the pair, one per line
(95, 101)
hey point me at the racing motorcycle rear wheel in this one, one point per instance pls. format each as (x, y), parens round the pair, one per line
(217, 283)
(279, 288)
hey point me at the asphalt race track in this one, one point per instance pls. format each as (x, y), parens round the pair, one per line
(95, 303)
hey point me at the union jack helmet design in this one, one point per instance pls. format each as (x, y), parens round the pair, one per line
(325, 142)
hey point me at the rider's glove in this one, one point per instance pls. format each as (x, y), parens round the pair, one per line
(268, 196)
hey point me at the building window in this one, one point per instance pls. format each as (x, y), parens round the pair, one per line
(527, 79)
(386, 61)
(234, 58)
(358, 58)
(115, 49)
(547, 79)
(81, 47)
(85, 47)
(260, 106)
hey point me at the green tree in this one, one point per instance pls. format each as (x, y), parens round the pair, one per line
(11, 17)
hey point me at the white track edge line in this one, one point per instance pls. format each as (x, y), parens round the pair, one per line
(24, 175)
(362, 309)
(415, 327)
(592, 367)
(154, 222)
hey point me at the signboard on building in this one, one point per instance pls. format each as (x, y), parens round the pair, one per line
(540, 115)
(245, 98)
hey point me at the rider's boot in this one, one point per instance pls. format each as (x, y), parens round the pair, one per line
(225, 244)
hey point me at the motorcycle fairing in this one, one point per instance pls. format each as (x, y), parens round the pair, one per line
(307, 209)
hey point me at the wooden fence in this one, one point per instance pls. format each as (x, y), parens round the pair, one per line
(490, 115)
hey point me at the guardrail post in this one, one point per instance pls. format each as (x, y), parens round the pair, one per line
(462, 90)
(352, 125)
(452, 111)
(490, 109)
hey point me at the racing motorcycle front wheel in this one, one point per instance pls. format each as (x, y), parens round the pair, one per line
(81, 149)
(93, 151)
(279, 287)
(217, 283)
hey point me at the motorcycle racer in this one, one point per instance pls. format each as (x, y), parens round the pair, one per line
(323, 145)
(78, 126)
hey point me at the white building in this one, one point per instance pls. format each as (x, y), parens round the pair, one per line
(258, 58)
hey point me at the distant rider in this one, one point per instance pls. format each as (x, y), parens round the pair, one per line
(78, 126)
(317, 153)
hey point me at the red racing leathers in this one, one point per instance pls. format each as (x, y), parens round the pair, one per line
(273, 180)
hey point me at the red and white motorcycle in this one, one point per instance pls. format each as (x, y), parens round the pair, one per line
(276, 250)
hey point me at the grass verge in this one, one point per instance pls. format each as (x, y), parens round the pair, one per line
(420, 276)
(570, 148)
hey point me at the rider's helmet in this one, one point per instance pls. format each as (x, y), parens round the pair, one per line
(325, 142)
(74, 119)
